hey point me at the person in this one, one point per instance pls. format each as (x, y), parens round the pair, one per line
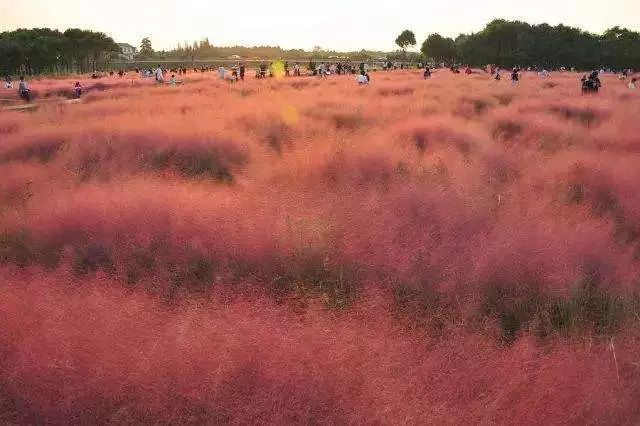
(159, 75)
(286, 68)
(172, 80)
(362, 78)
(263, 70)
(515, 77)
(8, 84)
(234, 74)
(468, 71)
(544, 73)
(497, 77)
(77, 90)
(23, 89)
(591, 84)
(427, 72)
(241, 70)
(632, 83)
(296, 69)
(321, 71)
(221, 72)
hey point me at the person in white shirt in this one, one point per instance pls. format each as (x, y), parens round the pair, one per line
(221, 72)
(159, 75)
(632, 84)
(362, 78)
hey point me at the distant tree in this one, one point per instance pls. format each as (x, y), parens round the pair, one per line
(439, 48)
(621, 48)
(146, 50)
(43, 50)
(406, 39)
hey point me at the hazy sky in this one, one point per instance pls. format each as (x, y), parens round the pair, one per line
(337, 24)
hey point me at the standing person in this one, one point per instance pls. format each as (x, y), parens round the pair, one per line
(515, 77)
(286, 68)
(632, 84)
(263, 70)
(427, 72)
(77, 90)
(242, 70)
(159, 75)
(23, 89)
(221, 72)
(8, 84)
(296, 69)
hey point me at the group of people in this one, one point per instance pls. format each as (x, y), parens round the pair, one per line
(23, 87)
(515, 75)
(590, 83)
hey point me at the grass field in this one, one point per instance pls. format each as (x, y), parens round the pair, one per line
(455, 250)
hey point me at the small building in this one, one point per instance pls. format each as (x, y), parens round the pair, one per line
(127, 51)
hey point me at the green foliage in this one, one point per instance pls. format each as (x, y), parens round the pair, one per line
(439, 48)
(509, 43)
(42, 50)
(406, 39)
(146, 50)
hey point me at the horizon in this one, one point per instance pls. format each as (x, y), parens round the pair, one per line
(335, 26)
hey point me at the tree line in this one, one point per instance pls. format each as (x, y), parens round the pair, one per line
(511, 43)
(204, 49)
(43, 50)
(501, 42)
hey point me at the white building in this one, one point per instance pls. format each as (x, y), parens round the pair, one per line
(127, 51)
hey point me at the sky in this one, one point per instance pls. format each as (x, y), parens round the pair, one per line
(331, 24)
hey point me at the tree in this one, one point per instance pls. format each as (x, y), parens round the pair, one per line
(439, 48)
(43, 50)
(406, 39)
(621, 48)
(146, 50)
